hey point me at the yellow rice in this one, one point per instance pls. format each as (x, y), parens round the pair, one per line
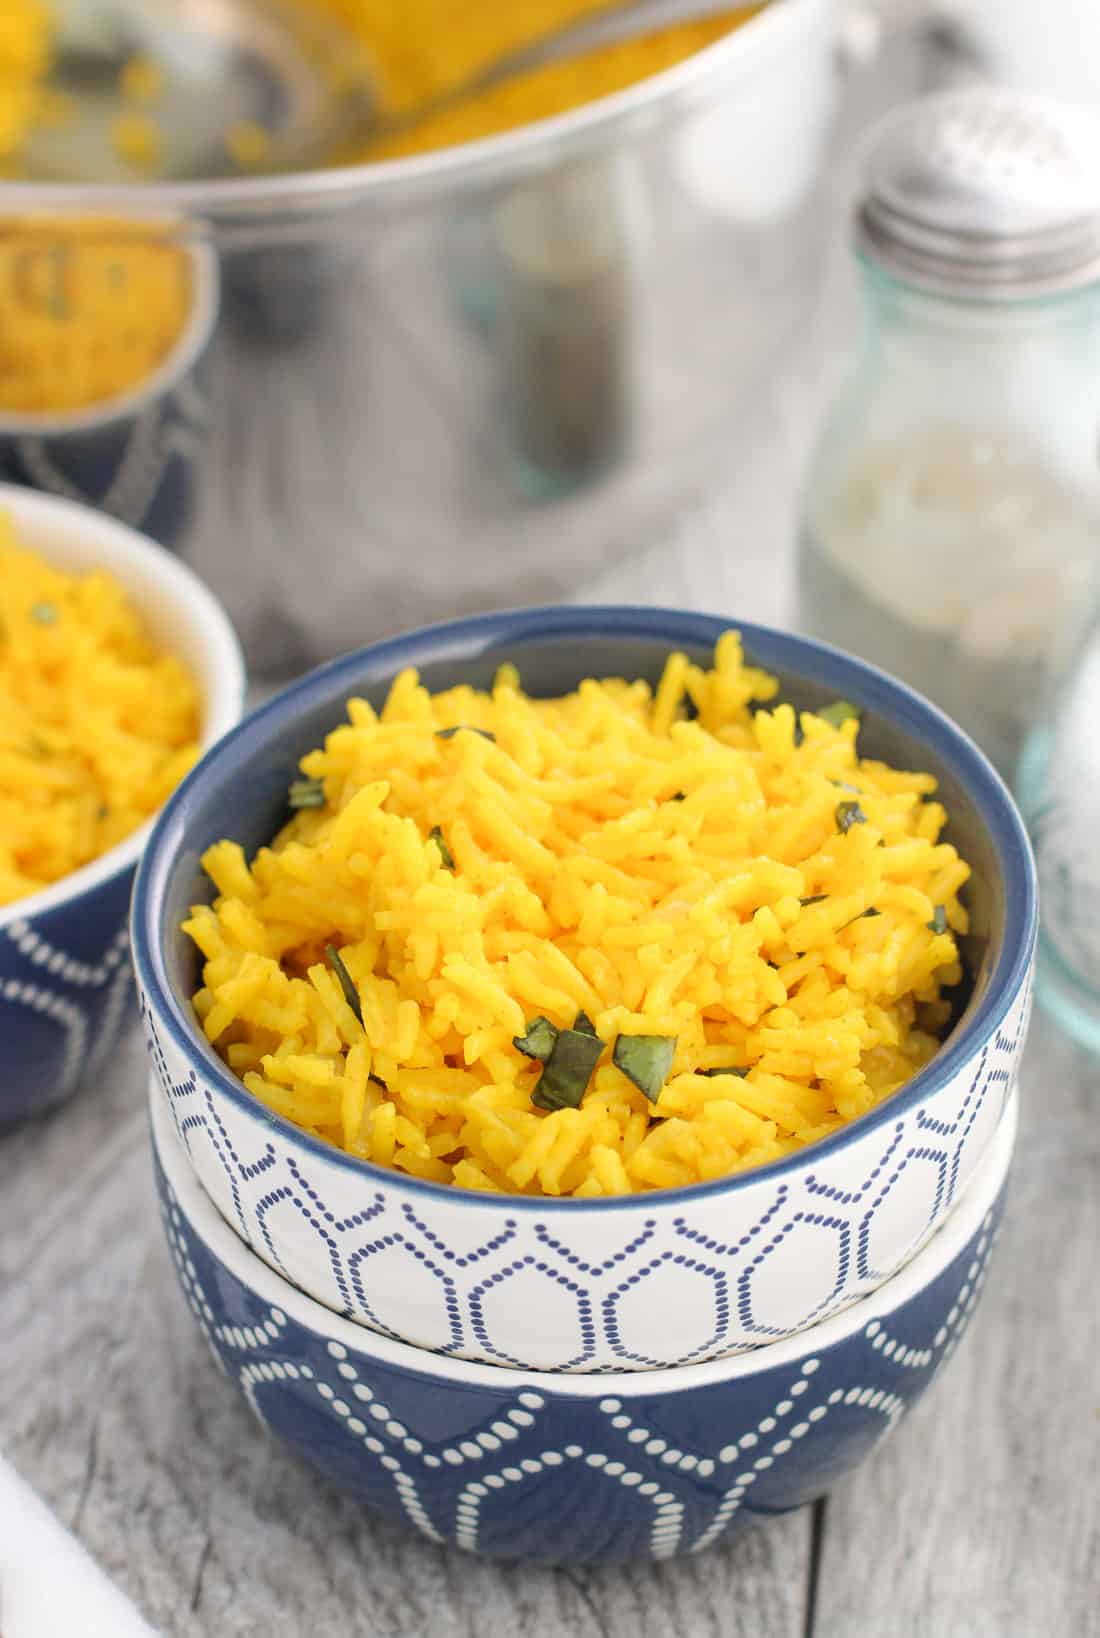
(96, 724)
(89, 308)
(25, 30)
(414, 55)
(612, 856)
(412, 68)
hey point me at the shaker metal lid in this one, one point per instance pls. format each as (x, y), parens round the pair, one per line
(984, 193)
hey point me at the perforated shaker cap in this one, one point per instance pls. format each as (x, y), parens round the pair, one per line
(985, 193)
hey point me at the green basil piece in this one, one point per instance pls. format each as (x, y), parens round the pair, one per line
(306, 793)
(863, 915)
(464, 727)
(725, 1070)
(351, 994)
(568, 1070)
(814, 898)
(840, 712)
(645, 1060)
(938, 924)
(849, 814)
(436, 835)
(539, 1040)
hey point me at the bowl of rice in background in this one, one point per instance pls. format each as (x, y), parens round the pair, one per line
(117, 669)
(105, 324)
(665, 1139)
(545, 1468)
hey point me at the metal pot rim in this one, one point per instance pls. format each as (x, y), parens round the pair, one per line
(320, 193)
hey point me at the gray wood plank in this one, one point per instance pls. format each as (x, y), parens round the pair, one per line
(981, 1518)
(114, 1411)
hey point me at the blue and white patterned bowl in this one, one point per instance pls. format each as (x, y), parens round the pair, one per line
(639, 1283)
(577, 1469)
(65, 977)
(137, 456)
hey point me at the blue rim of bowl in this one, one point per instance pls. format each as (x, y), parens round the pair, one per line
(467, 639)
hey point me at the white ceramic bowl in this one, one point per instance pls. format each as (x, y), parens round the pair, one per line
(65, 980)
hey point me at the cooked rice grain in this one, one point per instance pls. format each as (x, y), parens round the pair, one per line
(641, 855)
(97, 725)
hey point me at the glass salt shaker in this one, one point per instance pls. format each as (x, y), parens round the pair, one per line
(950, 525)
(1058, 786)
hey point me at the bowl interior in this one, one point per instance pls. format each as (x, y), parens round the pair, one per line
(179, 612)
(239, 790)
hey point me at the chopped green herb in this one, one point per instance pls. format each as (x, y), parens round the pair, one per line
(103, 811)
(351, 994)
(863, 915)
(436, 836)
(840, 712)
(724, 1069)
(584, 1024)
(849, 814)
(44, 613)
(938, 924)
(843, 785)
(645, 1060)
(463, 727)
(814, 898)
(538, 1041)
(568, 1070)
(306, 793)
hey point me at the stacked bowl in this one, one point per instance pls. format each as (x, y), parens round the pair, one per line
(575, 1380)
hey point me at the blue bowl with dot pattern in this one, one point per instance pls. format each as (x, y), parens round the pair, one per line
(66, 983)
(647, 1281)
(560, 1469)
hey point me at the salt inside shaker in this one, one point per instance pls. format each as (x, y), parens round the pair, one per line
(951, 519)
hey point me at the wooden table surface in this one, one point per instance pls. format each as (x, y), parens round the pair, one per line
(980, 1518)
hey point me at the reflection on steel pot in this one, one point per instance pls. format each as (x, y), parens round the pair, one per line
(567, 265)
(469, 378)
(85, 325)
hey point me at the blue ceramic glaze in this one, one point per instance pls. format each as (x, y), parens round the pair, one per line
(66, 989)
(560, 1469)
(142, 469)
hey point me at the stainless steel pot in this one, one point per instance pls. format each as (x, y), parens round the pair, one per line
(469, 379)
